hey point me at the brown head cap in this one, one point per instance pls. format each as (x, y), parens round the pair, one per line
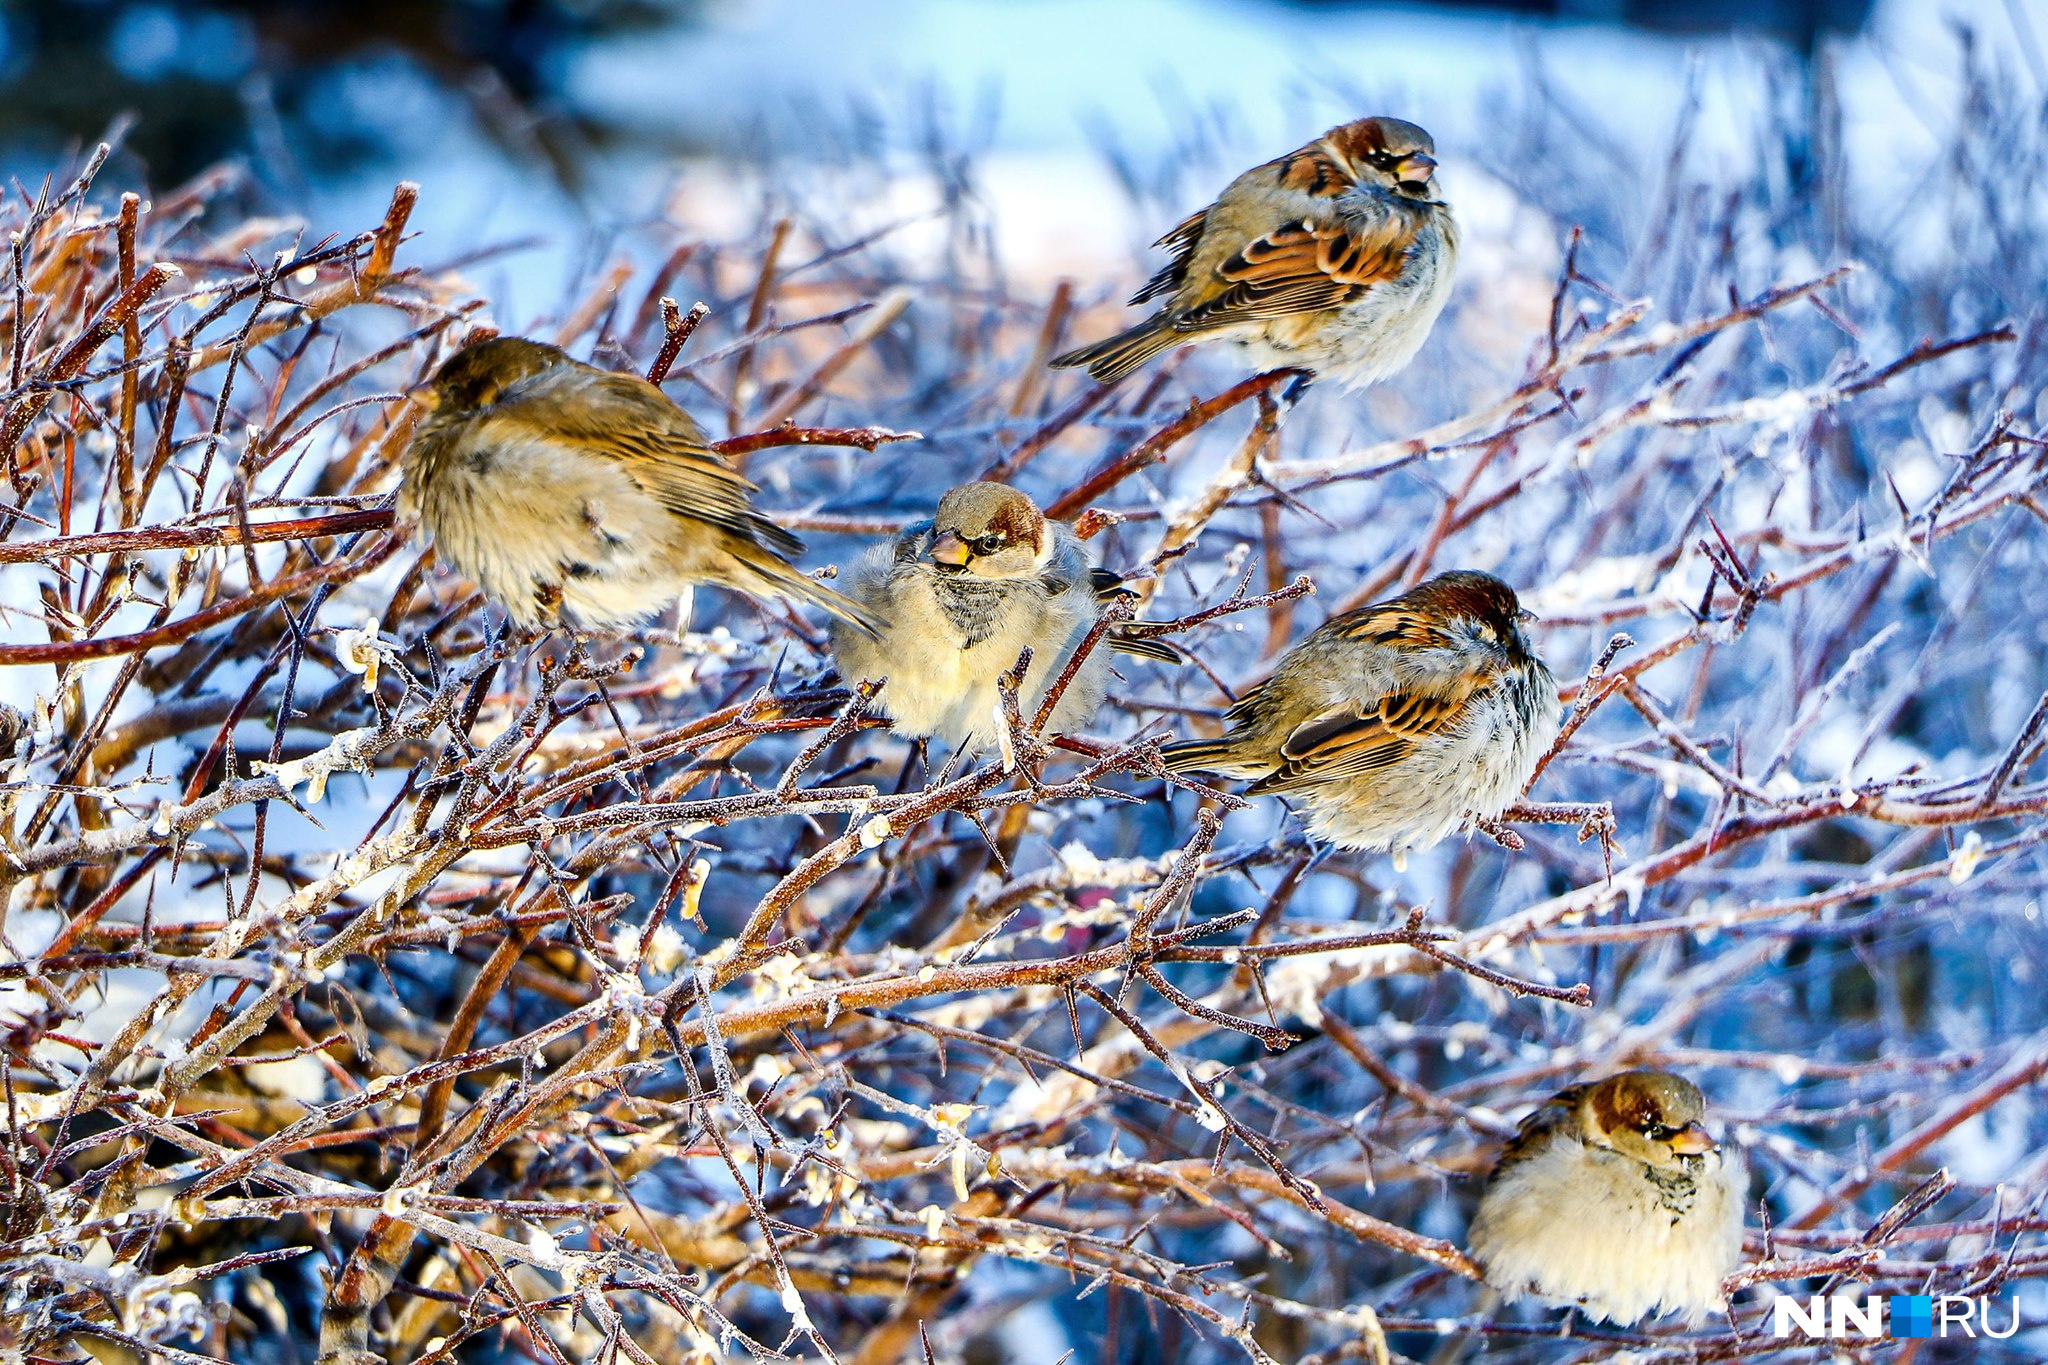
(1389, 152)
(474, 376)
(1468, 593)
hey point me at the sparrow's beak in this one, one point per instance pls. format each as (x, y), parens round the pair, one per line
(1693, 1140)
(949, 549)
(1416, 166)
(424, 396)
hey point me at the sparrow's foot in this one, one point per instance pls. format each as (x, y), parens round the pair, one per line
(1296, 387)
(547, 599)
(1498, 831)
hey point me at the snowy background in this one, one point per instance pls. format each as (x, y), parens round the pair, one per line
(1818, 504)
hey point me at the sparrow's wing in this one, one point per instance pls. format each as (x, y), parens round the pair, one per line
(1534, 1133)
(1354, 741)
(1304, 267)
(1180, 245)
(627, 419)
(1376, 732)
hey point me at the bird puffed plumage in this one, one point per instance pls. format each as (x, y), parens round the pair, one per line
(1615, 1198)
(964, 594)
(1335, 258)
(1392, 725)
(574, 494)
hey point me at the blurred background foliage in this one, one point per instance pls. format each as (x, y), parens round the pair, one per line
(307, 89)
(248, 78)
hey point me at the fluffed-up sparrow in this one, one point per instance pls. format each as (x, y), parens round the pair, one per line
(964, 594)
(571, 493)
(1392, 725)
(1335, 259)
(1615, 1198)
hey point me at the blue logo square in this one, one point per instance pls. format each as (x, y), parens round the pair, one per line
(1912, 1315)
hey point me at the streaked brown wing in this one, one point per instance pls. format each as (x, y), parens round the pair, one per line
(1536, 1130)
(1303, 267)
(1350, 743)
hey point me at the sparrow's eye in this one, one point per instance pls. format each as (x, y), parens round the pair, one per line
(1660, 1132)
(1382, 161)
(986, 545)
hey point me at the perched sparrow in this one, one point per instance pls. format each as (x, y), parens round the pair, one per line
(1613, 1197)
(964, 594)
(1394, 724)
(1335, 259)
(570, 492)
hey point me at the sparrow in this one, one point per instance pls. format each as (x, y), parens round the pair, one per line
(1335, 259)
(1397, 723)
(964, 594)
(1614, 1197)
(575, 495)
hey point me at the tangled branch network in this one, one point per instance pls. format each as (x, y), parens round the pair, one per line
(381, 983)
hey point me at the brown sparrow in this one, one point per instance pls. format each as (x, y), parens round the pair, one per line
(1397, 723)
(964, 594)
(1335, 259)
(1614, 1197)
(571, 492)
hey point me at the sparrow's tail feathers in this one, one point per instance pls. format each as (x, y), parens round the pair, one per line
(765, 573)
(1198, 756)
(799, 586)
(1143, 647)
(807, 589)
(1111, 360)
(774, 537)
